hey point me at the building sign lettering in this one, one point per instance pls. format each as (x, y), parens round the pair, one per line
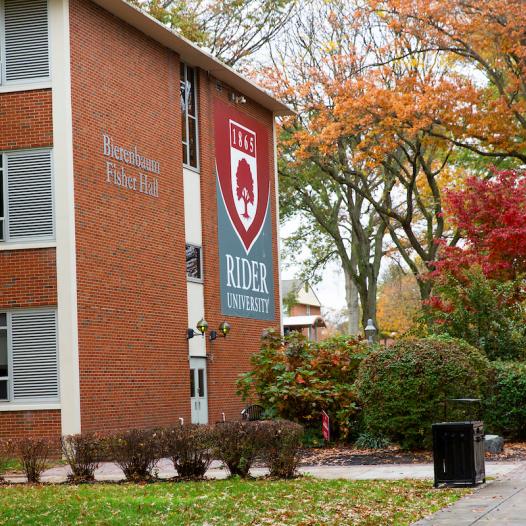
(117, 173)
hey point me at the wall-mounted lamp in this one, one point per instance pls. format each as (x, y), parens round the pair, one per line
(202, 327)
(224, 329)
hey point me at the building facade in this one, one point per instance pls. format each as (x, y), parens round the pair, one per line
(137, 197)
(302, 309)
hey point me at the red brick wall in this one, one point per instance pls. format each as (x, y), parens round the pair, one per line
(28, 278)
(25, 120)
(301, 310)
(231, 354)
(20, 424)
(130, 247)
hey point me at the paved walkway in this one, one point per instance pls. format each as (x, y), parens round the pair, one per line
(501, 503)
(111, 472)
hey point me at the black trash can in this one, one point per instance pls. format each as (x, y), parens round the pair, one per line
(458, 452)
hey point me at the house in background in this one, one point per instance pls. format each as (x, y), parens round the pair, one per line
(302, 309)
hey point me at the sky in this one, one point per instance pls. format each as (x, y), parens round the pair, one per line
(331, 289)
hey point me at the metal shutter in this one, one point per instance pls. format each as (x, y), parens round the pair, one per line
(30, 195)
(26, 40)
(34, 355)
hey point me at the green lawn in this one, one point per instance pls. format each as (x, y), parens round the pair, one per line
(304, 501)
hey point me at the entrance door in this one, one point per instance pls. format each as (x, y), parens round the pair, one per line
(198, 391)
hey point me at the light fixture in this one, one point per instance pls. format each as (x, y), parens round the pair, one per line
(224, 328)
(202, 327)
(370, 331)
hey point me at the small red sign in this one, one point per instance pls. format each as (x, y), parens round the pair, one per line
(325, 426)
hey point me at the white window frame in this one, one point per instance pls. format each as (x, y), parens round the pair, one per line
(187, 117)
(4, 240)
(8, 377)
(14, 85)
(10, 402)
(190, 278)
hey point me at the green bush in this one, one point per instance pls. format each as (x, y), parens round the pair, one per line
(296, 379)
(367, 440)
(505, 407)
(402, 387)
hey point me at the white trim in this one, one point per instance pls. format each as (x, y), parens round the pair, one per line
(27, 86)
(278, 226)
(65, 216)
(29, 245)
(10, 406)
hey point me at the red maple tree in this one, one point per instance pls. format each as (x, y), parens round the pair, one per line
(245, 185)
(491, 215)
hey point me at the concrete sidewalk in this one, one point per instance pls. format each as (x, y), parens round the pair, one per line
(501, 503)
(111, 472)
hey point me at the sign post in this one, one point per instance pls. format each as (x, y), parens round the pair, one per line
(325, 426)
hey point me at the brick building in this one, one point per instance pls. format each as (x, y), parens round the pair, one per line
(302, 309)
(137, 197)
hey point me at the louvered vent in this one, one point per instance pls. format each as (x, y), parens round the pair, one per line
(26, 40)
(35, 357)
(30, 195)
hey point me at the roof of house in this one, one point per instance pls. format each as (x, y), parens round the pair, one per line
(305, 295)
(192, 54)
(300, 322)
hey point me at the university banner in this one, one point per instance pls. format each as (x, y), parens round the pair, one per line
(243, 214)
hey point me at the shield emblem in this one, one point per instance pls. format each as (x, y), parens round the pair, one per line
(242, 170)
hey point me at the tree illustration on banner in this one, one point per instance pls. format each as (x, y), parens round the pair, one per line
(245, 185)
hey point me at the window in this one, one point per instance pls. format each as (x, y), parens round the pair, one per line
(24, 47)
(189, 116)
(28, 356)
(194, 264)
(26, 196)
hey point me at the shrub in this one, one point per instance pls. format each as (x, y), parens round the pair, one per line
(505, 407)
(191, 449)
(33, 454)
(296, 379)
(6, 450)
(402, 387)
(136, 452)
(367, 440)
(487, 313)
(238, 443)
(282, 445)
(83, 453)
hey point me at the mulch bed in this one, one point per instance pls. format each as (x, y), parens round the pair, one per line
(349, 456)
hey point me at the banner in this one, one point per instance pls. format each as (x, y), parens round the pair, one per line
(244, 217)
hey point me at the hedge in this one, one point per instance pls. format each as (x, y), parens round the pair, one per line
(402, 387)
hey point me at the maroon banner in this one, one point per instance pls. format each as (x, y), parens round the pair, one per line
(242, 160)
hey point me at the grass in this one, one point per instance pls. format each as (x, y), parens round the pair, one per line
(305, 502)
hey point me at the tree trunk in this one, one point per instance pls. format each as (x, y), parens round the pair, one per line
(353, 304)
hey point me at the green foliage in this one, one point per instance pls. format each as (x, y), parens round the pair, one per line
(402, 387)
(299, 378)
(487, 313)
(367, 440)
(505, 408)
